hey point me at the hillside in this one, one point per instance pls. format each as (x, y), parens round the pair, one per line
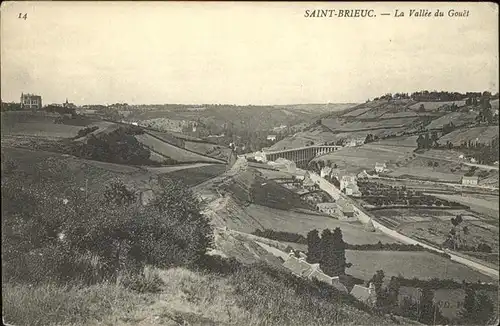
(254, 295)
(38, 130)
(384, 118)
(251, 117)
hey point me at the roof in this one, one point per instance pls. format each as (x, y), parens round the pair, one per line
(327, 205)
(297, 266)
(361, 293)
(469, 177)
(380, 164)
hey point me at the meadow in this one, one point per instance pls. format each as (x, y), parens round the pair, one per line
(248, 219)
(423, 265)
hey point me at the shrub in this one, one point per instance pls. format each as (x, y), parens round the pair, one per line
(49, 238)
(85, 131)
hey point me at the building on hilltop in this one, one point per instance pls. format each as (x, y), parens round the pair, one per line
(469, 181)
(31, 101)
(69, 105)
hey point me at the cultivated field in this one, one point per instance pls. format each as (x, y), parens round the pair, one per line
(478, 134)
(432, 106)
(482, 204)
(357, 159)
(418, 167)
(196, 175)
(437, 230)
(249, 218)
(172, 151)
(423, 265)
(458, 119)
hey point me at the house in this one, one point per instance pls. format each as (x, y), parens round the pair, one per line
(346, 180)
(331, 209)
(352, 190)
(283, 164)
(299, 267)
(346, 208)
(326, 171)
(337, 173)
(380, 167)
(461, 156)
(473, 160)
(468, 181)
(31, 101)
(271, 137)
(355, 142)
(366, 295)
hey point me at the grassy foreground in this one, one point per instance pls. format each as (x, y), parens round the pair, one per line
(248, 296)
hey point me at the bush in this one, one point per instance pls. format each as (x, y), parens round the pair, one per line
(84, 132)
(147, 282)
(67, 238)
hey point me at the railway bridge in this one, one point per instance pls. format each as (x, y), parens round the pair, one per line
(300, 155)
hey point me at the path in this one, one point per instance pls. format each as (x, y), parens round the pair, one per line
(168, 169)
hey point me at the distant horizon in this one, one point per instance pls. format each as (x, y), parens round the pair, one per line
(249, 104)
(239, 52)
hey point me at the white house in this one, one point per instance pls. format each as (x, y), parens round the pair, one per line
(271, 137)
(347, 180)
(260, 156)
(380, 167)
(326, 171)
(301, 268)
(469, 181)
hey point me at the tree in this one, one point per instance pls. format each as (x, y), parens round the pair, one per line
(478, 307)
(427, 141)
(421, 108)
(327, 262)
(420, 142)
(339, 249)
(430, 314)
(434, 139)
(313, 247)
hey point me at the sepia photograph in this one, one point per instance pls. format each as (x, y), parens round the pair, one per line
(249, 163)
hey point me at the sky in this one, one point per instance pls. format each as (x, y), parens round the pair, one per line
(241, 53)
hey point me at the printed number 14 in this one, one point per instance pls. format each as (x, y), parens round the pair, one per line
(23, 16)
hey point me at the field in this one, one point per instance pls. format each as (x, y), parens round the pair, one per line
(70, 172)
(364, 125)
(402, 216)
(172, 151)
(423, 265)
(196, 175)
(419, 168)
(482, 204)
(433, 106)
(249, 218)
(436, 231)
(458, 119)
(36, 124)
(357, 159)
(404, 141)
(479, 134)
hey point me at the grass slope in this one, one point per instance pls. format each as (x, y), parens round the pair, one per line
(250, 296)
